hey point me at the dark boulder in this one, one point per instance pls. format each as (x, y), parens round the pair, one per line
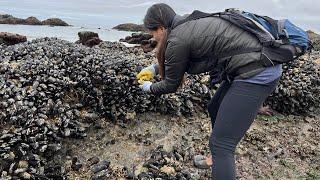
(89, 38)
(144, 39)
(11, 39)
(92, 42)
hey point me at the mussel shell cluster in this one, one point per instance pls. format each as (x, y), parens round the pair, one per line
(48, 87)
(298, 91)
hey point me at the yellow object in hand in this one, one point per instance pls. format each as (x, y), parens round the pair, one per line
(144, 78)
(145, 75)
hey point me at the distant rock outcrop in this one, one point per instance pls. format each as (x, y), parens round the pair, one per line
(9, 19)
(11, 39)
(54, 22)
(33, 21)
(130, 27)
(88, 38)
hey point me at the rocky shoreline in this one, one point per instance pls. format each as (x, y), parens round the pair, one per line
(9, 19)
(53, 90)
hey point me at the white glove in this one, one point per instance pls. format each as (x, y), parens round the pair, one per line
(145, 86)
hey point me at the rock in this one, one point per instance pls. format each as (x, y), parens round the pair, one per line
(92, 42)
(144, 39)
(89, 38)
(47, 86)
(86, 35)
(317, 61)
(54, 22)
(8, 19)
(33, 21)
(11, 39)
(130, 27)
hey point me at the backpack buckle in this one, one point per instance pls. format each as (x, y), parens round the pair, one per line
(286, 33)
(277, 43)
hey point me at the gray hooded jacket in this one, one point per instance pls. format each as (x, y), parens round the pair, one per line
(194, 46)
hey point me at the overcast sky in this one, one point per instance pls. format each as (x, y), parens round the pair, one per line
(305, 13)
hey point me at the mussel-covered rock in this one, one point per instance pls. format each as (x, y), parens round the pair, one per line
(50, 86)
(298, 91)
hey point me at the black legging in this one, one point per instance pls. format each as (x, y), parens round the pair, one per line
(232, 110)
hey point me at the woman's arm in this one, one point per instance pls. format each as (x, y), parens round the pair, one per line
(176, 63)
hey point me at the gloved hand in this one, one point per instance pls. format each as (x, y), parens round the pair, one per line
(145, 86)
(147, 74)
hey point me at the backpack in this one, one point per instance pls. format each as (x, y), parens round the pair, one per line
(281, 40)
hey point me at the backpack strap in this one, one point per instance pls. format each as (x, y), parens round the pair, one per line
(195, 15)
(240, 70)
(247, 68)
(238, 52)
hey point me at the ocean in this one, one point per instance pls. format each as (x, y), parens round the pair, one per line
(66, 33)
(95, 15)
(105, 14)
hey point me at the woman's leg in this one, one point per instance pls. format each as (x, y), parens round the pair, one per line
(236, 113)
(213, 105)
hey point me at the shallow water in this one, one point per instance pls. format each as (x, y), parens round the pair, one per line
(69, 33)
